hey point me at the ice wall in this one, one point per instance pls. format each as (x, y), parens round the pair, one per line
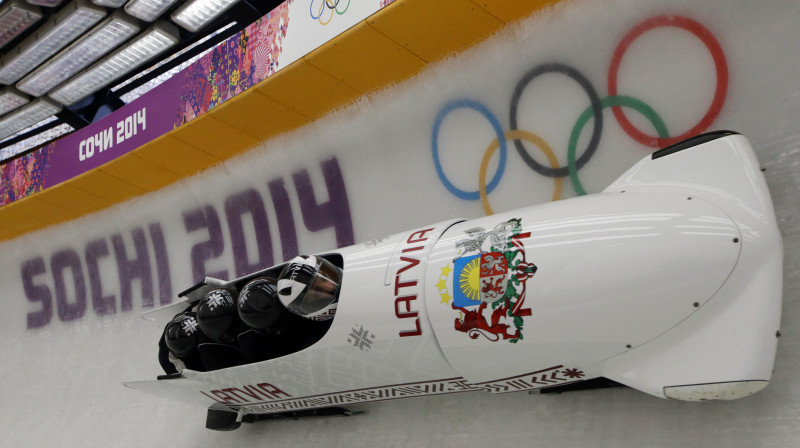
(70, 330)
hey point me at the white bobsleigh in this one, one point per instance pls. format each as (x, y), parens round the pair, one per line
(669, 282)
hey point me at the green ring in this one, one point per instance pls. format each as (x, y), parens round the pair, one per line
(611, 101)
(336, 8)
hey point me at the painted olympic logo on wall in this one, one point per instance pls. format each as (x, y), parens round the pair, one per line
(614, 100)
(328, 8)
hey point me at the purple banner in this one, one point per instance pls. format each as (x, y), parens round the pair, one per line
(245, 59)
(128, 128)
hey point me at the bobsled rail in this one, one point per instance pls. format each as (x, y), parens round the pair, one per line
(674, 289)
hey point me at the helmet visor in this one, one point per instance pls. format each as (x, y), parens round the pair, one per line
(322, 290)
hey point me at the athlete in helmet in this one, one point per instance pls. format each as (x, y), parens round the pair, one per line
(309, 287)
(179, 342)
(261, 309)
(219, 320)
(217, 316)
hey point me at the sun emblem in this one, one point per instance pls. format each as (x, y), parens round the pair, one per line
(469, 280)
(489, 287)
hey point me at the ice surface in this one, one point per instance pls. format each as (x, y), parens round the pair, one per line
(61, 382)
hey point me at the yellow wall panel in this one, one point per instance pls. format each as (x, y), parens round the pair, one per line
(258, 115)
(433, 29)
(307, 89)
(176, 156)
(390, 46)
(18, 217)
(214, 137)
(7, 234)
(70, 198)
(510, 10)
(32, 213)
(48, 213)
(139, 172)
(105, 186)
(365, 59)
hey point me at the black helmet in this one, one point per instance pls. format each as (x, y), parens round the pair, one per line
(309, 287)
(259, 306)
(182, 334)
(217, 316)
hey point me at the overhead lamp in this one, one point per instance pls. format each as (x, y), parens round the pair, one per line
(48, 3)
(61, 29)
(141, 49)
(16, 17)
(109, 3)
(10, 99)
(27, 116)
(92, 46)
(196, 14)
(148, 10)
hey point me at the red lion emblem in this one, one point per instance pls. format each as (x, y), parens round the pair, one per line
(474, 324)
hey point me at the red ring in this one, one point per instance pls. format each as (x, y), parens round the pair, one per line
(719, 63)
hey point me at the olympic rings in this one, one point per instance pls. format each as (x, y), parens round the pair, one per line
(333, 5)
(470, 104)
(611, 101)
(519, 135)
(719, 63)
(596, 108)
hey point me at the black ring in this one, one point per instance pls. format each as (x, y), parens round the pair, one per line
(597, 110)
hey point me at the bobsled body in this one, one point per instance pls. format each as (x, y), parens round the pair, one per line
(669, 282)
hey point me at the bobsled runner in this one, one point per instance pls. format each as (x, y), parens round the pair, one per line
(669, 282)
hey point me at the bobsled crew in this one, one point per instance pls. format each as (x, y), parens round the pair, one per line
(669, 282)
(265, 319)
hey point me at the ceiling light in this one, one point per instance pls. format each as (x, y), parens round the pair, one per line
(148, 10)
(92, 46)
(109, 3)
(196, 14)
(64, 27)
(10, 99)
(139, 50)
(27, 116)
(16, 17)
(48, 3)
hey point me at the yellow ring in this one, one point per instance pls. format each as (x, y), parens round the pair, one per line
(321, 8)
(516, 135)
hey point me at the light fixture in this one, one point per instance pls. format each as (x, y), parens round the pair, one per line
(10, 99)
(62, 28)
(27, 116)
(48, 3)
(147, 45)
(109, 3)
(148, 10)
(196, 14)
(16, 17)
(92, 46)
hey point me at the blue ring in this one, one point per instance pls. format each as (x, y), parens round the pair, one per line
(311, 10)
(471, 104)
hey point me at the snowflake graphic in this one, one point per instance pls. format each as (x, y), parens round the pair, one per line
(189, 326)
(375, 242)
(361, 338)
(573, 373)
(218, 298)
